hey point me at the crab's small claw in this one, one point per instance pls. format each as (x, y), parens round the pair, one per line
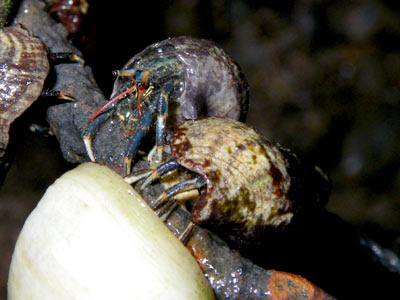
(150, 174)
(127, 164)
(155, 157)
(188, 185)
(136, 138)
(90, 131)
(66, 57)
(87, 140)
(134, 177)
(57, 94)
(160, 171)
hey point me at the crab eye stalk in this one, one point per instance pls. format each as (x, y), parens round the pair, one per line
(127, 72)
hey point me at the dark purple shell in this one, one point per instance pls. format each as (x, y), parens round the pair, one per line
(210, 82)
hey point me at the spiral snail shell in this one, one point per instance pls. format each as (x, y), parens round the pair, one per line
(23, 69)
(249, 186)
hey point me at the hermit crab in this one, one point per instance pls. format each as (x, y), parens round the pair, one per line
(180, 78)
(248, 185)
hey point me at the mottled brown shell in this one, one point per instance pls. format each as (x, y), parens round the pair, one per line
(251, 182)
(23, 69)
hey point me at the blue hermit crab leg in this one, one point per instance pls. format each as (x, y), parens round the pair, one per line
(188, 185)
(162, 114)
(157, 173)
(134, 142)
(100, 117)
(91, 130)
(134, 177)
(161, 109)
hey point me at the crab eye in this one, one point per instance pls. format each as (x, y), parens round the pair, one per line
(115, 73)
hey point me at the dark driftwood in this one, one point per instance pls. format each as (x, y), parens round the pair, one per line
(69, 120)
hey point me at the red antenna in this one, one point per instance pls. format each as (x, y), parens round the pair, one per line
(115, 99)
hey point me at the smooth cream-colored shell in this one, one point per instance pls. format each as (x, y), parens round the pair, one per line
(93, 237)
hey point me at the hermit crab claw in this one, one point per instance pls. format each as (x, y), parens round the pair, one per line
(151, 174)
(155, 155)
(135, 177)
(87, 141)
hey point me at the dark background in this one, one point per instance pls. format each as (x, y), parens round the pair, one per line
(324, 81)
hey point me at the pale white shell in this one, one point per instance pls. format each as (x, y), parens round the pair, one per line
(93, 237)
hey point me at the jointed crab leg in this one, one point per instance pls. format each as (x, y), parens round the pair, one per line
(150, 174)
(57, 94)
(162, 113)
(134, 177)
(161, 170)
(161, 109)
(134, 142)
(90, 131)
(98, 118)
(188, 185)
(64, 57)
